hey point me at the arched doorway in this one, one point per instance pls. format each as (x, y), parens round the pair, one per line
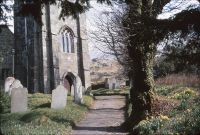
(68, 84)
(73, 84)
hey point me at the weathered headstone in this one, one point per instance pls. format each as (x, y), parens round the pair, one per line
(78, 94)
(112, 83)
(72, 90)
(19, 100)
(15, 84)
(59, 97)
(8, 83)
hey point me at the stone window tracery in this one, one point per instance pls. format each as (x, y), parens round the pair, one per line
(67, 41)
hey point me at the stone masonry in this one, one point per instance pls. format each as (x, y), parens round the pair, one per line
(36, 41)
(19, 100)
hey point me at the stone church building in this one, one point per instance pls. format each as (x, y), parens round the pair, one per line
(32, 43)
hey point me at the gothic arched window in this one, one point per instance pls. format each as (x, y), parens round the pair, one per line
(67, 41)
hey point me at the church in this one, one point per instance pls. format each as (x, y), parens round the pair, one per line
(50, 54)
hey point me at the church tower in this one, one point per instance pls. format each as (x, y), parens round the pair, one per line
(48, 55)
(65, 46)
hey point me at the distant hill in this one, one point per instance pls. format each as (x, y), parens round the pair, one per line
(101, 69)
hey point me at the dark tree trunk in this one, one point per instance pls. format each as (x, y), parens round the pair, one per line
(142, 88)
(141, 92)
(141, 51)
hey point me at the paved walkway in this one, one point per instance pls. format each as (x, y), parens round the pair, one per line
(104, 117)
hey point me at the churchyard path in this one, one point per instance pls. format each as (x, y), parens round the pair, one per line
(104, 117)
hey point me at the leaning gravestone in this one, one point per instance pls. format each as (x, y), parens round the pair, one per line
(19, 100)
(8, 83)
(59, 97)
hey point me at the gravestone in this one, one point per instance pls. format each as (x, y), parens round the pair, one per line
(72, 90)
(19, 100)
(78, 94)
(7, 84)
(15, 84)
(112, 83)
(59, 97)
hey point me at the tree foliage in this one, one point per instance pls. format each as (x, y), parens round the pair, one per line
(180, 54)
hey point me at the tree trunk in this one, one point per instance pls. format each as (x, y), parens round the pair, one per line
(141, 50)
(141, 92)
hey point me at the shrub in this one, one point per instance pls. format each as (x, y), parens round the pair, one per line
(164, 90)
(184, 119)
(88, 100)
(179, 79)
(184, 94)
(183, 106)
(152, 125)
(4, 102)
(188, 122)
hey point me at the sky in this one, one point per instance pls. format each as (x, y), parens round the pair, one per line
(10, 21)
(175, 6)
(95, 13)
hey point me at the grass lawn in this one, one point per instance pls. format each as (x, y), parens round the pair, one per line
(40, 119)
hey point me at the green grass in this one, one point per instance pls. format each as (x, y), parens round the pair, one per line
(184, 118)
(40, 119)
